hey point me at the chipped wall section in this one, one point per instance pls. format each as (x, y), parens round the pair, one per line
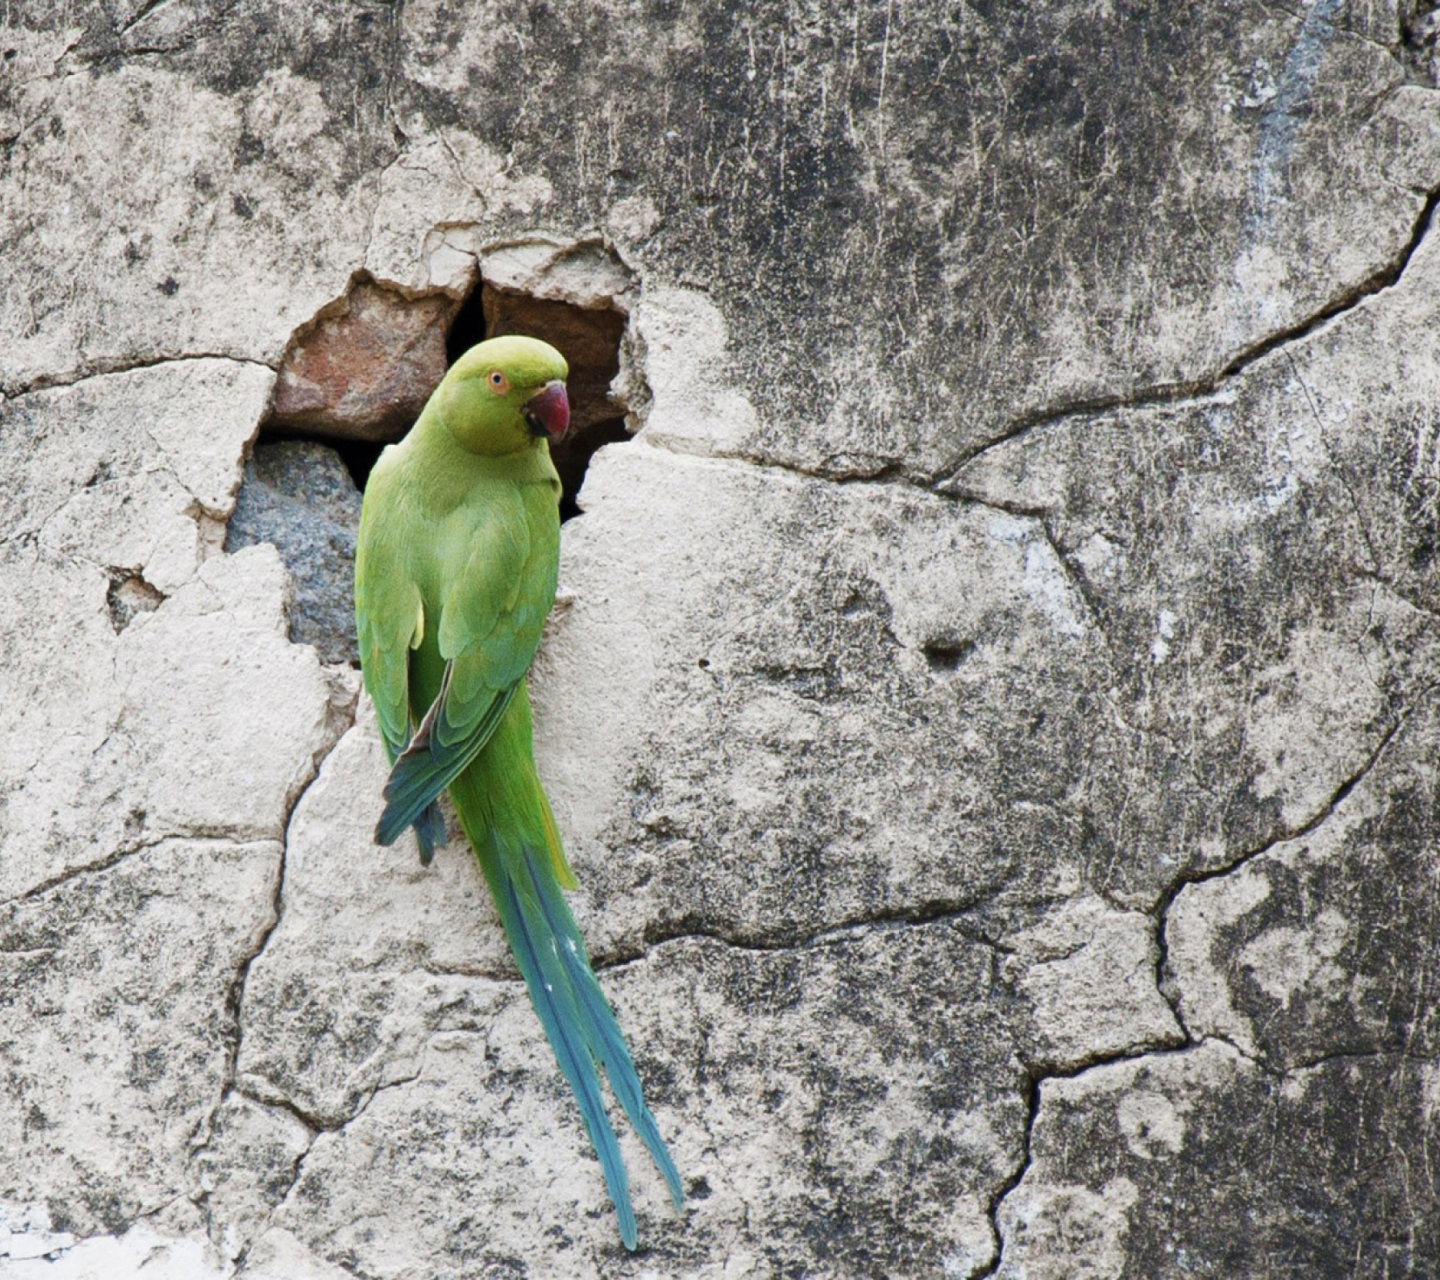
(364, 367)
(356, 376)
(1298, 960)
(1145, 1168)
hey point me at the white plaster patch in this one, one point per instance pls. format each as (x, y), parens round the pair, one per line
(1066, 1232)
(1164, 633)
(30, 1250)
(1089, 971)
(1285, 961)
(278, 1255)
(633, 218)
(1301, 729)
(1152, 1124)
(26, 1232)
(1198, 916)
(695, 406)
(584, 275)
(1043, 579)
(424, 231)
(1099, 557)
(1430, 1090)
(211, 676)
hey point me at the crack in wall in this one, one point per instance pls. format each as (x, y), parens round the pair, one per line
(945, 482)
(339, 716)
(145, 10)
(1165, 982)
(947, 912)
(318, 1128)
(940, 912)
(1174, 393)
(1033, 1100)
(235, 996)
(1166, 988)
(112, 368)
(112, 859)
(1299, 832)
(1355, 1055)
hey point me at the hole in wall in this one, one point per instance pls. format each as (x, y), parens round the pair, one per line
(357, 376)
(128, 596)
(945, 656)
(353, 380)
(468, 327)
(589, 339)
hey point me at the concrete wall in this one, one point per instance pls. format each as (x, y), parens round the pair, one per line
(992, 712)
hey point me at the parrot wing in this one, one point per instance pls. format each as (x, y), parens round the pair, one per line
(389, 622)
(489, 629)
(389, 616)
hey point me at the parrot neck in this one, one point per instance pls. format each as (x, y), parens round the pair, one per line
(441, 464)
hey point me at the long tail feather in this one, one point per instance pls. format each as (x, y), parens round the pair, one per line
(538, 951)
(598, 1025)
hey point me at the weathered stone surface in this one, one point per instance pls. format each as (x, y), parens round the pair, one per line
(116, 988)
(122, 752)
(1322, 945)
(997, 671)
(1088, 973)
(370, 948)
(1203, 1163)
(298, 496)
(267, 1142)
(781, 765)
(220, 210)
(770, 1157)
(385, 1005)
(365, 366)
(147, 770)
(1260, 562)
(420, 1044)
(1031, 212)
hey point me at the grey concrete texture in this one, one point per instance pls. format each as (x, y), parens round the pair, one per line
(991, 705)
(298, 496)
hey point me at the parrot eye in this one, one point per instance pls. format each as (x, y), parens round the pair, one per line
(498, 382)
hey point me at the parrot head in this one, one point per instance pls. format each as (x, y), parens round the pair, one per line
(503, 394)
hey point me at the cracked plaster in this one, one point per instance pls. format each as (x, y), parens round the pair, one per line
(1010, 830)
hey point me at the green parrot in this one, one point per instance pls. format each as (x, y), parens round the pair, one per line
(454, 574)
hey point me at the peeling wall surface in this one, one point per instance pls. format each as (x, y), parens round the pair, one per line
(992, 706)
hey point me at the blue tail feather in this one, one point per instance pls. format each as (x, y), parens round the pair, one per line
(598, 1025)
(538, 952)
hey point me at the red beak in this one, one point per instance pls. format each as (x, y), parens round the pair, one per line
(548, 411)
